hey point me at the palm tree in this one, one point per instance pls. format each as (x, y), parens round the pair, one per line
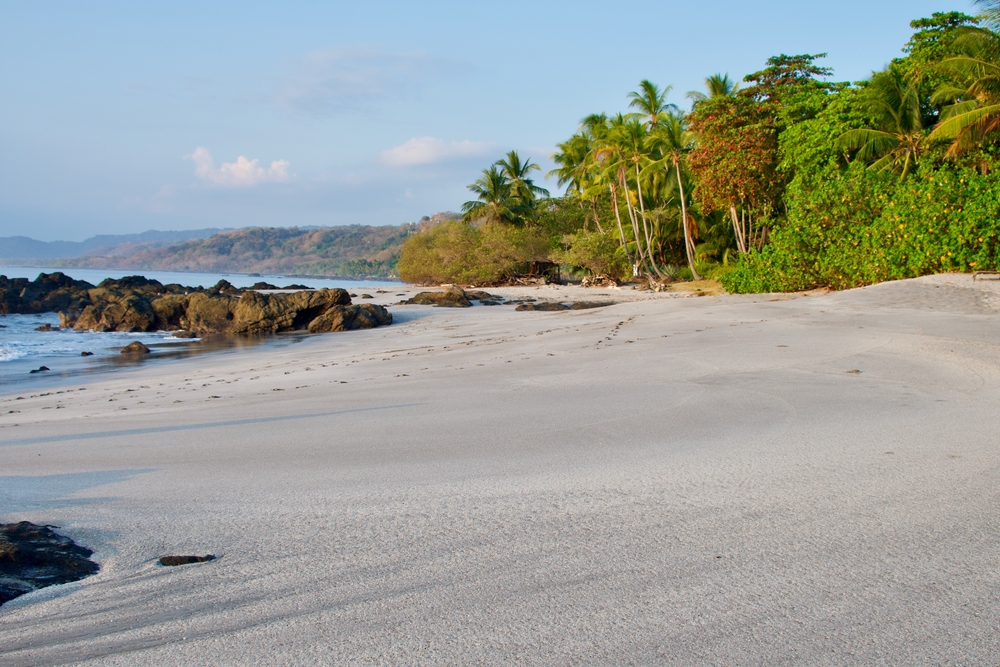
(494, 201)
(624, 152)
(991, 13)
(898, 140)
(574, 165)
(516, 171)
(651, 101)
(974, 116)
(607, 168)
(571, 163)
(717, 85)
(673, 141)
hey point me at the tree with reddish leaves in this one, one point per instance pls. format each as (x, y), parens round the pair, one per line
(736, 163)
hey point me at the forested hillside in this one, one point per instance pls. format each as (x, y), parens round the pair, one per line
(354, 251)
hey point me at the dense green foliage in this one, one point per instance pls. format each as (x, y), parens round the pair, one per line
(860, 228)
(783, 182)
(459, 252)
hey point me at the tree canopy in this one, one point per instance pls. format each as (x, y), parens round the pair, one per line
(786, 180)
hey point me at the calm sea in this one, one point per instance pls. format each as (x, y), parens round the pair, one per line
(23, 349)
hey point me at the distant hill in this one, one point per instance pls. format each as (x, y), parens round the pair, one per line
(21, 247)
(349, 251)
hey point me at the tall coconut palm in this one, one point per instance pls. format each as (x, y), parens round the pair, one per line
(495, 201)
(898, 139)
(627, 148)
(672, 141)
(609, 165)
(651, 102)
(717, 85)
(974, 115)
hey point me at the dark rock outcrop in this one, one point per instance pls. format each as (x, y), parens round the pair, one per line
(33, 557)
(48, 292)
(138, 304)
(135, 347)
(453, 297)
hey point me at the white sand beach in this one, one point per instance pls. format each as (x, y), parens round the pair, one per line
(724, 480)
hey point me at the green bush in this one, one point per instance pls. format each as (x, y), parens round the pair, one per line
(595, 252)
(460, 252)
(859, 228)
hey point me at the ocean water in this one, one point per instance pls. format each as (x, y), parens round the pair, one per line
(23, 349)
(95, 276)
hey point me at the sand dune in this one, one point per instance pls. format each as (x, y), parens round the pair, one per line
(675, 481)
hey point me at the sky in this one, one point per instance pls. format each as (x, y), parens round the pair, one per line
(119, 117)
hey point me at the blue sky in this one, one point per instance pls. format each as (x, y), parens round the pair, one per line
(123, 117)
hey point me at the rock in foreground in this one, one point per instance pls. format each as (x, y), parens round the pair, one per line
(174, 561)
(33, 557)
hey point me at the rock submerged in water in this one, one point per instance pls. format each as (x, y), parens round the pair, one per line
(33, 557)
(138, 304)
(135, 347)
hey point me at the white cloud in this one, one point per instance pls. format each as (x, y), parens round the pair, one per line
(242, 173)
(337, 80)
(428, 150)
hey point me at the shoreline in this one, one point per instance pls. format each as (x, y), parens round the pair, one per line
(14, 374)
(656, 481)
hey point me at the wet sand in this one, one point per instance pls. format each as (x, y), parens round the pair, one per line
(777, 479)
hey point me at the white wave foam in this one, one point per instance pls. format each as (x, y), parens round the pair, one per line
(8, 353)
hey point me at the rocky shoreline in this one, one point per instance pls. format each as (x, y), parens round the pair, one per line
(138, 304)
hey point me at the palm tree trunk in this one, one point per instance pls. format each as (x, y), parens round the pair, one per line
(688, 240)
(645, 226)
(640, 256)
(741, 243)
(593, 208)
(621, 230)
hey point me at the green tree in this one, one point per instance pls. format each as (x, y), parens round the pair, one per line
(495, 200)
(651, 102)
(672, 143)
(522, 188)
(898, 139)
(573, 159)
(973, 118)
(717, 85)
